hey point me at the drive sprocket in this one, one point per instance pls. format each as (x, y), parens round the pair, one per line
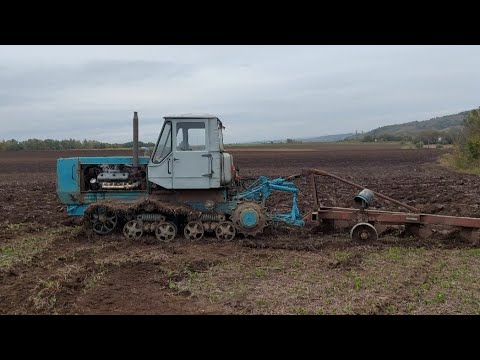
(249, 217)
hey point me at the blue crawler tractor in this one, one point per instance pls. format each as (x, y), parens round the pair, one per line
(188, 184)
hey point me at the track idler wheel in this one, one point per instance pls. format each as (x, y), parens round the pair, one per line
(166, 231)
(363, 232)
(103, 220)
(133, 229)
(194, 230)
(225, 231)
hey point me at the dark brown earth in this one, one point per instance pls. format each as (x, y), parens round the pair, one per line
(49, 265)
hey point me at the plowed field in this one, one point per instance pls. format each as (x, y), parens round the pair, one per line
(48, 264)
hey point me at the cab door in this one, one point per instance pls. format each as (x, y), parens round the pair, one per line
(160, 167)
(192, 162)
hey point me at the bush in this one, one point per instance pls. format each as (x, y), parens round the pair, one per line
(472, 147)
(419, 145)
(466, 155)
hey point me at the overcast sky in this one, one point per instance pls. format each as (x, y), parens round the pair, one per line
(259, 92)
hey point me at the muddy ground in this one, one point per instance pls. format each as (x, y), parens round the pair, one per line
(49, 265)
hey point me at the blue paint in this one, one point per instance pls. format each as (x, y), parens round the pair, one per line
(249, 218)
(262, 188)
(67, 180)
(68, 183)
(76, 210)
(292, 218)
(365, 198)
(68, 191)
(110, 160)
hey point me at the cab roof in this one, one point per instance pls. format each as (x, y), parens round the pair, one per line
(191, 116)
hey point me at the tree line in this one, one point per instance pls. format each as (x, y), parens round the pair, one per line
(467, 148)
(66, 144)
(430, 136)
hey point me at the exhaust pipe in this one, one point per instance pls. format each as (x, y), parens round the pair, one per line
(135, 139)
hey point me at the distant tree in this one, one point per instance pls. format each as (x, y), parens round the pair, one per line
(472, 135)
(466, 153)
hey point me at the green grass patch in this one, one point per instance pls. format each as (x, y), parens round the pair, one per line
(460, 163)
(473, 252)
(23, 248)
(341, 255)
(358, 283)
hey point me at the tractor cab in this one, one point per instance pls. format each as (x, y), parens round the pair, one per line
(190, 155)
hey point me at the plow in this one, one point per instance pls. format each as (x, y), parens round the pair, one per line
(369, 224)
(190, 186)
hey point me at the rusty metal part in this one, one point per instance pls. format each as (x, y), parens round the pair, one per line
(149, 226)
(225, 231)
(103, 220)
(209, 226)
(194, 230)
(390, 217)
(135, 140)
(212, 217)
(133, 229)
(292, 177)
(148, 205)
(166, 231)
(151, 217)
(216, 195)
(315, 194)
(253, 207)
(363, 232)
(324, 173)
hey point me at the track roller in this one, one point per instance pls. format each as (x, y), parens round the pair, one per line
(194, 230)
(166, 231)
(133, 229)
(225, 231)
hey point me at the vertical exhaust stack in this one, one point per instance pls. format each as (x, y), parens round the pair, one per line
(135, 139)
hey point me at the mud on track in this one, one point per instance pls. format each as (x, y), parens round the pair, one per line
(48, 265)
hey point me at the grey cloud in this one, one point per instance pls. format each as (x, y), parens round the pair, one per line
(45, 82)
(260, 92)
(7, 99)
(132, 71)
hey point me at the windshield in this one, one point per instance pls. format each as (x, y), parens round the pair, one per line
(220, 134)
(164, 145)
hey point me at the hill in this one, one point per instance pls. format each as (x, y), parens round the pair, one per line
(443, 123)
(327, 138)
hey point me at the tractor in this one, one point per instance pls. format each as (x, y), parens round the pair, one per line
(187, 184)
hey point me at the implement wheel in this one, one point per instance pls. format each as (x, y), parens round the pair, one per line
(363, 232)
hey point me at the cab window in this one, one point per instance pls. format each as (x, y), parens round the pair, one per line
(220, 134)
(191, 136)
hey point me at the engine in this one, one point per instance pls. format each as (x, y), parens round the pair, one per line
(114, 177)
